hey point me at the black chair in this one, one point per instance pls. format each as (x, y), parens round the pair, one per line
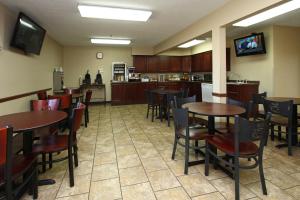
(258, 99)
(184, 132)
(88, 96)
(14, 168)
(170, 99)
(152, 104)
(227, 127)
(240, 146)
(193, 120)
(282, 115)
(185, 92)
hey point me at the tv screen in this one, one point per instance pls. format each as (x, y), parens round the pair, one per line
(250, 45)
(28, 35)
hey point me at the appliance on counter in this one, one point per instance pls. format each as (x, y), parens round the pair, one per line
(58, 81)
(132, 76)
(207, 90)
(197, 77)
(119, 71)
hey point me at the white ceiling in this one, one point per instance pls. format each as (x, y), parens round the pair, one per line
(62, 20)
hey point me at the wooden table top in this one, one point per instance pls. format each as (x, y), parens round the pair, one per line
(214, 109)
(28, 121)
(295, 99)
(164, 92)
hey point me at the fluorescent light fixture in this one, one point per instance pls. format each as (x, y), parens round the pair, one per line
(113, 13)
(27, 24)
(191, 43)
(110, 41)
(268, 14)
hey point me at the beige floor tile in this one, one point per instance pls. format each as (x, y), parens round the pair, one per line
(133, 175)
(106, 171)
(162, 180)
(154, 164)
(84, 167)
(126, 161)
(105, 190)
(294, 192)
(211, 196)
(226, 187)
(125, 150)
(147, 152)
(196, 184)
(274, 192)
(280, 179)
(104, 148)
(105, 158)
(172, 194)
(177, 167)
(82, 185)
(76, 197)
(141, 191)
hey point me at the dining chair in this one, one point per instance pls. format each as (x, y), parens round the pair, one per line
(282, 116)
(241, 145)
(185, 133)
(167, 105)
(42, 95)
(14, 168)
(185, 92)
(258, 99)
(58, 143)
(152, 104)
(65, 101)
(88, 96)
(41, 105)
(193, 120)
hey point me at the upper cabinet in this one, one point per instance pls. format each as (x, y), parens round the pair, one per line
(201, 62)
(140, 64)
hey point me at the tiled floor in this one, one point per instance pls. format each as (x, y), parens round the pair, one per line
(125, 156)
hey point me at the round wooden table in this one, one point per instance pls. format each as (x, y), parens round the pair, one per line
(26, 122)
(296, 102)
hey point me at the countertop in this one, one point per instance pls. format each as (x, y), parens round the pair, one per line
(228, 83)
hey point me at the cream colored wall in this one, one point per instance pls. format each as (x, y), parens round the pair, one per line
(230, 12)
(77, 60)
(176, 52)
(20, 73)
(255, 67)
(286, 61)
(205, 46)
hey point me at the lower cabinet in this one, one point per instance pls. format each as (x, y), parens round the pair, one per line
(242, 92)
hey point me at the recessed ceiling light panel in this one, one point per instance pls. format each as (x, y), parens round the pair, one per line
(113, 13)
(110, 41)
(191, 43)
(268, 14)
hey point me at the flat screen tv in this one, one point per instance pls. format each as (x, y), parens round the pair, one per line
(28, 35)
(250, 45)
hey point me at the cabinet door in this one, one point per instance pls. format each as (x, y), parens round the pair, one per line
(164, 63)
(117, 94)
(186, 64)
(175, 64)
(197, 62)
(140, 64)
(152, 64)
(206, 61)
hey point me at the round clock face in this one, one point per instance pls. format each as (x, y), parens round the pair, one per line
(99, 55)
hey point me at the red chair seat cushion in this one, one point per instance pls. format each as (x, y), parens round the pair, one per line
(195, 134)
(51, 143)
(226, 144)
(20, 164)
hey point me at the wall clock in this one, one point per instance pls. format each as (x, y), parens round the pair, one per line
(99, 55)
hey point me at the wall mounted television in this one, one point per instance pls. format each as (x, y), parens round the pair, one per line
(28, 35)
(250, 45)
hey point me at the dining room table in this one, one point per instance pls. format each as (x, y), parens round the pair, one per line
(26, 122)
(213, 110)
(296, 103)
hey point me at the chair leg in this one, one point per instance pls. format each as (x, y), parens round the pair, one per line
(148, 108)
(206, 160)
(50, 160)
(279, 133)
(237, 178)
(85, 118)
(272, 132)
(168, 113)
(88, 115)
(196, 145)
(35, 183)
(152, 114)
(187, 154)
(174, 147)
(261, 175)
(71, 169)
(43, 162)
(290, 142)
(75, 148)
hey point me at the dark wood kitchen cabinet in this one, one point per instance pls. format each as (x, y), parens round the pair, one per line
(186, 63)
(117, 93)
(242, 92)
(175, 64)
(164, 64)
(140, 64)
(195, 89)
(152, 64)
